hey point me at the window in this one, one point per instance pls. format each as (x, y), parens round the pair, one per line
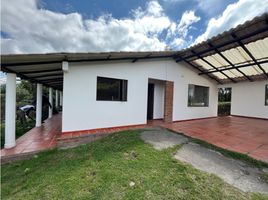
(266, 95)
(110, 89)
(198, 96)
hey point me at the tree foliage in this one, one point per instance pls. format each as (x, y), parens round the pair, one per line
(225, 94)
(25, 94)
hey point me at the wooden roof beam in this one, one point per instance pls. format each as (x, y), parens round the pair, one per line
(229, 62)
(203, 59)
(249, 54)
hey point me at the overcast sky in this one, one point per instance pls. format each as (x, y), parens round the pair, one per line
(32, 26)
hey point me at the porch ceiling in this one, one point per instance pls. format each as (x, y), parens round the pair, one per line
(236, 55)
(47, 68)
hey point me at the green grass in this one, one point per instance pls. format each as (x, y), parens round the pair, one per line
(264, 177)
(103, 170)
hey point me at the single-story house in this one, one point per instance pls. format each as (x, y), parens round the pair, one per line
(115, 89)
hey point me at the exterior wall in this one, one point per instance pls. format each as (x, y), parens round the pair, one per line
(248, 99)
(81, 111)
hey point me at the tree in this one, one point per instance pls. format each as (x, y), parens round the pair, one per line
(26, 93)
(224, 94)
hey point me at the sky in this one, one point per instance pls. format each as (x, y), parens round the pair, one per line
(47, 26)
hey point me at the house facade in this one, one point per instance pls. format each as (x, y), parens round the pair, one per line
(147, 84)
(115, 89)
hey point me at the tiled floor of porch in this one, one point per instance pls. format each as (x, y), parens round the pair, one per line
(37, 139)
(244, 135)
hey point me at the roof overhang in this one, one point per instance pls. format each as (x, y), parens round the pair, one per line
(240, 54)
(47, 68)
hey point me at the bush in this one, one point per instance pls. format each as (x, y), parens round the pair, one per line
(224, 108)
(20, 130)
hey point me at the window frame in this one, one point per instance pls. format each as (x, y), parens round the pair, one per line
(266, 95)
(188, 101)
(123, 85)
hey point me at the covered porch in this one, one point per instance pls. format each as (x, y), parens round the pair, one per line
(213, 59)
(36, 140)
(239, 134)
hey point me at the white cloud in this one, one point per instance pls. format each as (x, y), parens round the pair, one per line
(210, 7)
(32, 29)
(180, 31)
(187, 19)
(155, 9)
(232, 16)
(177, 42)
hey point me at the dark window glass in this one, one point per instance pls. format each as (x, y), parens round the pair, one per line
(110, 89)
(198, 96)
(266, 95)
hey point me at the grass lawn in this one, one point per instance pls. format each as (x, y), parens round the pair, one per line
(104, 170)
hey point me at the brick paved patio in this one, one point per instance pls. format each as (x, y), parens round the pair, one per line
(244, 135)
(35, 140)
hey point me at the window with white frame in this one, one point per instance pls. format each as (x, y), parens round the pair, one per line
(198, 96)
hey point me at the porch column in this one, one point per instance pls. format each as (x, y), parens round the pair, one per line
(60, 98)
(57, 99)
(50, 111)
(10, 120)
(38, 105)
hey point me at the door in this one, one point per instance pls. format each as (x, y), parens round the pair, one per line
(150, 103)
(224, 101)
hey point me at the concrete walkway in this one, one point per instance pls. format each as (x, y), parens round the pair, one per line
(234, 172)
(162, 138)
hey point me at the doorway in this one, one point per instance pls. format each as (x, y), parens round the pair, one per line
(224, 101)
(150, 103)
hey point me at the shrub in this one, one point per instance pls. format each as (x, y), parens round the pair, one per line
(224, 108)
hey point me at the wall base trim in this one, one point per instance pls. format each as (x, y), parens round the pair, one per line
(183, 120)
(75, 138)
(99, 130)
(250, 117)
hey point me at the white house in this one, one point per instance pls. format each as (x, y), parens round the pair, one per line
(114, 89)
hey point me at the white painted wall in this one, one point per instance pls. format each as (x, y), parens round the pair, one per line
(248, 99)
(81, 111)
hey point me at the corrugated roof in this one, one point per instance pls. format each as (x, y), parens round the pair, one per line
(47, 69)
(236, 55)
